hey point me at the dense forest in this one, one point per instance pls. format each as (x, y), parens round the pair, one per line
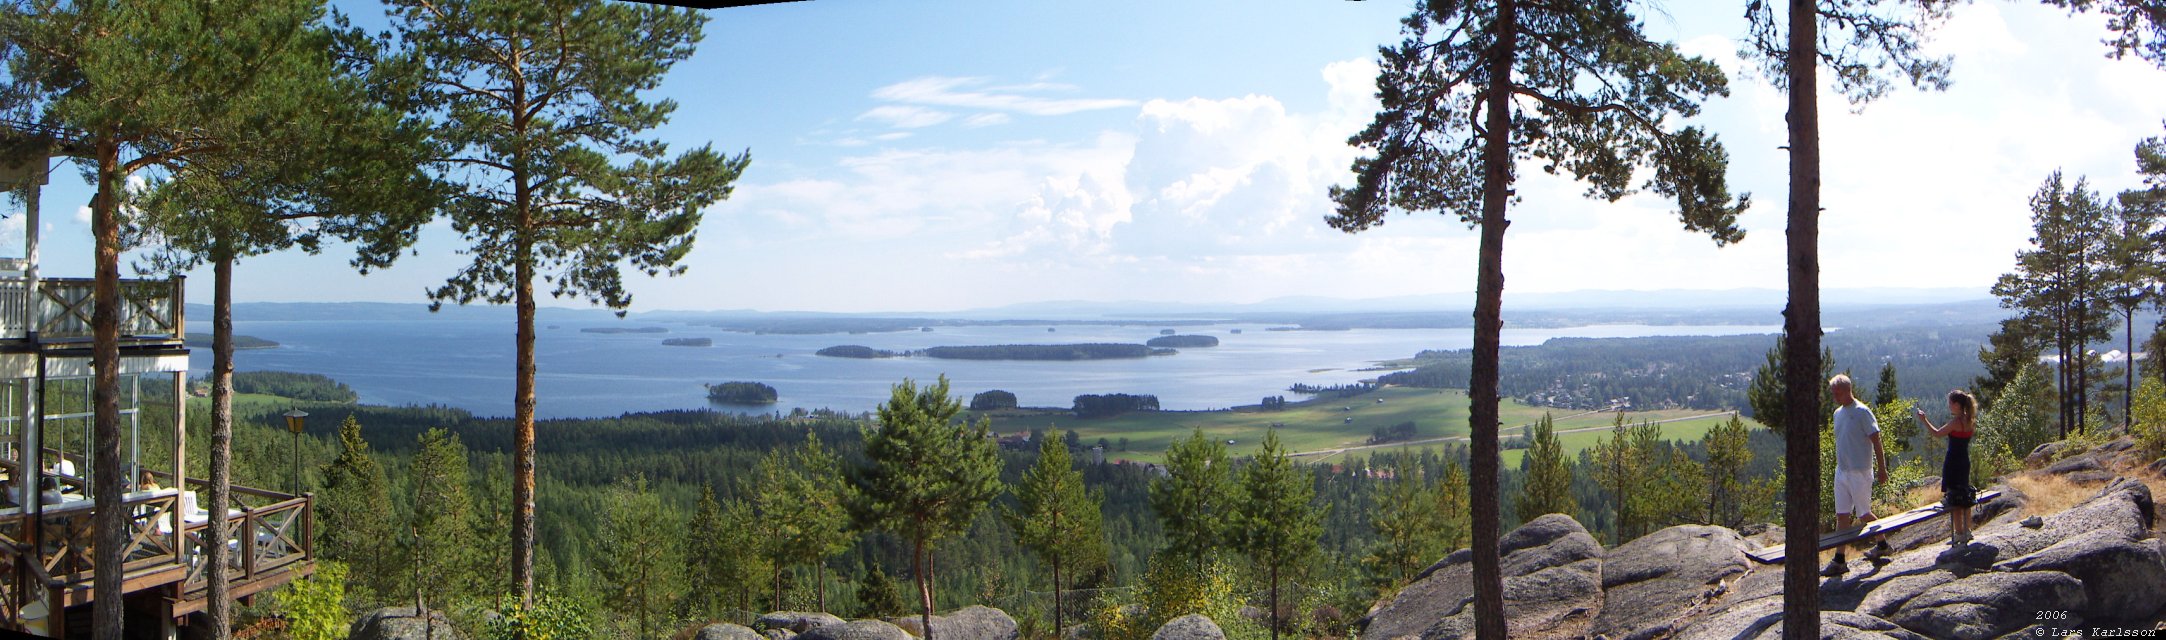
(855, 351)
(742, 393)
(1183, 341)
(314, 387)
(1112, 404)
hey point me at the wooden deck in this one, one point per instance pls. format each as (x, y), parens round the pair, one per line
(1775, 554)
(60, 309)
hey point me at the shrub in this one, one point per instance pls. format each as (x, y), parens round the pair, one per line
(550, 618)
(2149, 411)
(314, 607)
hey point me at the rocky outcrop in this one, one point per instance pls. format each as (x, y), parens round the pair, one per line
(1650, 584)
(968, 623)
(2101, 561)
(402, 623)
(1552, 587)
(796, 621)
(1193, 626)
(727, 631)
(856, 630)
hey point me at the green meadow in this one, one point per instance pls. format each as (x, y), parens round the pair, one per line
(1332, 429)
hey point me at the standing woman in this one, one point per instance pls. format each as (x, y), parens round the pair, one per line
(1956, 493)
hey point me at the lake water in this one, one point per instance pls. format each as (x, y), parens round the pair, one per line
(468, 363)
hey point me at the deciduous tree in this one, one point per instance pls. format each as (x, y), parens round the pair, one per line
(538, 107)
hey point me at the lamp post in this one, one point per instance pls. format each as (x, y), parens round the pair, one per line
(295, 419)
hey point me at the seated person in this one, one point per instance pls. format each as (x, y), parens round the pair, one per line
(49, 491)
(7, 495)
(146, 482)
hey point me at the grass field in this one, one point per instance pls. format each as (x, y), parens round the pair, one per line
(1327, 428)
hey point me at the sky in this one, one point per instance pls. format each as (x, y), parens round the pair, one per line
(948, 155)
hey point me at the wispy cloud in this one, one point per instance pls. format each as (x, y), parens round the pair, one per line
(906, 116)
(972, 93)
(986, 120)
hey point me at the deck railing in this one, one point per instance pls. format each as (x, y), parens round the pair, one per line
(61, 310)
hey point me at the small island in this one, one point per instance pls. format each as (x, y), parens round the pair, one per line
(1086, 351)
(741, 393)
(688, 342)
(1165, 332)
(240, 342)
(1184, 341)
(624, 330)
(855, 351)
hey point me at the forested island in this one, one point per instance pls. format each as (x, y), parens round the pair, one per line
(742, 393)
(688, 342)
(313, 387)
(1113, 404)
(1085, 351)
(240, 342)
(624, 330)
(1183, 342)
(856, 351)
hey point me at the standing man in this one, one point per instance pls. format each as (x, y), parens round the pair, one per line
(1855, 432)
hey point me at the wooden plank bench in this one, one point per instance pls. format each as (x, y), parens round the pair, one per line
(1883, 526)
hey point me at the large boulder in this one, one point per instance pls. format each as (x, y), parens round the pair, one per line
(1552, 587)
(402, 623)
(1761, 619)
(855, 630)
(968, 623)
(1989, 605)
(1651, 584)
(727, 631)
(796, 621)
(2123, 579)
(1194, 626)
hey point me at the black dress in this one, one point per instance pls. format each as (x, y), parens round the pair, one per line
(1955, 475)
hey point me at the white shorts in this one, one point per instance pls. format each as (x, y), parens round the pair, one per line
(1853, 491)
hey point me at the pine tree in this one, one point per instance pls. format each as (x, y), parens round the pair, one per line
(803, 499)
(1888, 390)
(1480, 86)
(1729, 452)
(1193, 499)
(929, 475)
(640, 559)
(355, 521)
(742, 563)
(540, 104)
(1548, 487)
(1451, 501)
(1766, 393)
(1409, 524)
(2059, 286)
(706, 554)
(1616, 470)
(1057, 519)
(442, 521)
(1276, 523)
(877, 595)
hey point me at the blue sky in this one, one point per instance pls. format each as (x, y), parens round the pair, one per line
(931, 156)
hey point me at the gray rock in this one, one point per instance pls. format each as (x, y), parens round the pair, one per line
(2089, 477)
(1193, 626)
(2009, 501)
(778, 634)
(1552, 586)
(2043, 455)
(1651, 584)
(1761, 619)
(2121, 576)
(2122, 443)
(2075, 464)
(1989, 605)
(2158, 467)
(2124, 507)
(968, 623)
(727, 631)
(856, 630)
(796, 621)
(402, 623)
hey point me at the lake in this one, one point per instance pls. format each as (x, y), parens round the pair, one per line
(467, 363)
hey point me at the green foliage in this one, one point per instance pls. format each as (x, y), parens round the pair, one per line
(315, 607)
(641, 563)
(313, 387)
(1112, 404)
(742, 393)
(2059, 285)
(1888, 389)
(550, 617)
(2149, 411)
(1176, 586)
(356, 524)
(1898, 425)
(1409, 528)
(1548, 485)
(1729, 452)
(1765, 396)
(441, 550)
(1194, 499)
(1275, 523)
(878, 596)
(1057, 519)
(992, 400)
(2024, 417)
(803, 503)
(929, 475)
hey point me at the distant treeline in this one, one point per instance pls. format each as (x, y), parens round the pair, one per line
(855, 351)
(1335, 391)
(299, 386)
(1697, 372)
(1183, 342)
(1113, 404)
(203, 341)
(1393, 433)
(742, 393)
(1088, 351)
(688, 342)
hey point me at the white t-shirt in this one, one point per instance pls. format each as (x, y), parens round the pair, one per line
(1854, 428)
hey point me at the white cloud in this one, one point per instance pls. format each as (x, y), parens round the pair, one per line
(946, 91)
(986, 120)
(906, 116)
(82, 215)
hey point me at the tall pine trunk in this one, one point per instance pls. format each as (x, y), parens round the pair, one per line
(2128, 370)
(522, 445)
(925, 586)
(1489, 623)
(1275, 621)
(819, 584)
(220, 607)
(110, 520)
(1801, 346)
(1056, 597)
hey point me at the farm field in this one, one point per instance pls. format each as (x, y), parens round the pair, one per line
(1330, 429)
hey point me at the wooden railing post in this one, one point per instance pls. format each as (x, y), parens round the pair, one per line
(180, 307)
(308, 526)
(247, 544)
